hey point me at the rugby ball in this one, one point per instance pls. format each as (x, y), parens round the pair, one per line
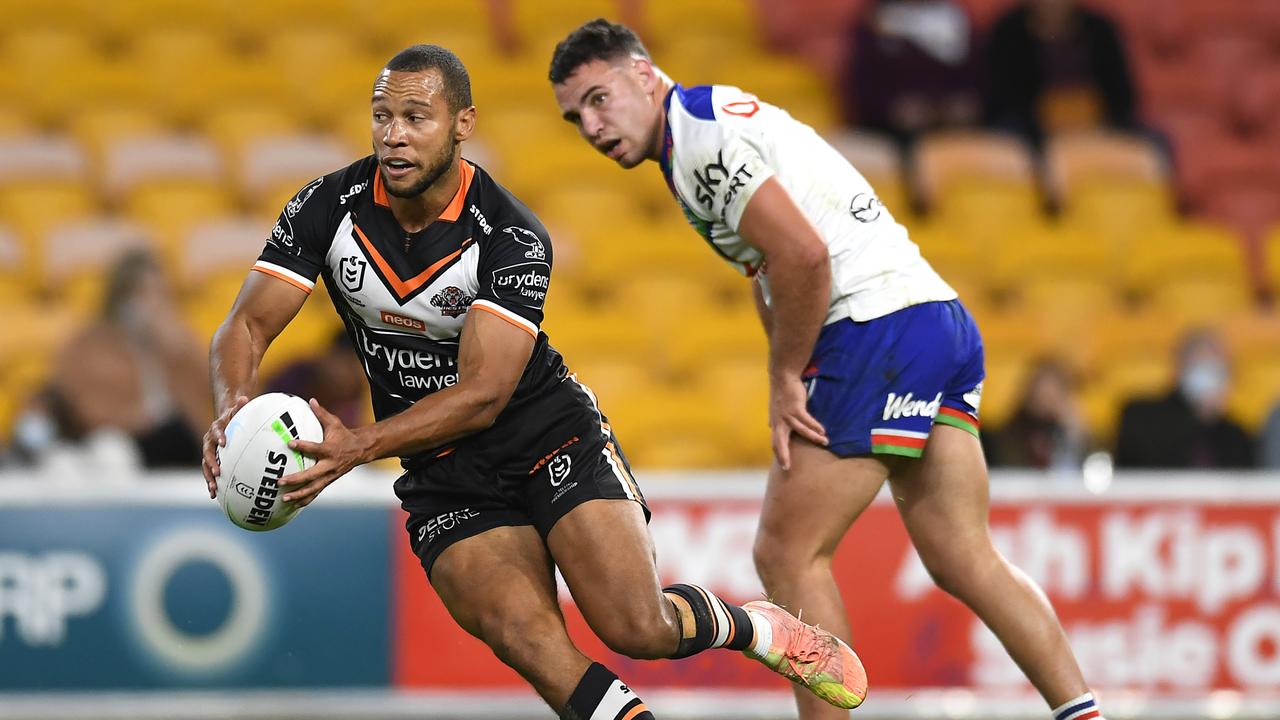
(257, 456)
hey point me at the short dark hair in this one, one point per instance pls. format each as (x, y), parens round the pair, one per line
(595, 40)
(457, 83)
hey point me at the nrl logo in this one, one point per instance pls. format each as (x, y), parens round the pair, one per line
(452, 301)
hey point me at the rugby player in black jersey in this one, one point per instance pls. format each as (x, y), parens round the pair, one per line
(440, 276)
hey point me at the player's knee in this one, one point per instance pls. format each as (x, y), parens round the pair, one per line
(516, 635)
(958, 573)
(781, 560)
(639, 633)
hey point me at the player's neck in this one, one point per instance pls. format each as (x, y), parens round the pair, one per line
(416, 213)
(660, 91)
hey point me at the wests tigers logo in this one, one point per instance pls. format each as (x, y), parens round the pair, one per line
(452, 301)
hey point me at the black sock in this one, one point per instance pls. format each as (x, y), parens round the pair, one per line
(601, 693)
(707, 621)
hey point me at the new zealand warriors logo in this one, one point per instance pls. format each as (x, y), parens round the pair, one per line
(452, 301)
(351, 270)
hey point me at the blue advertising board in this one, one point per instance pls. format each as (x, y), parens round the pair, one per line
(148, 597)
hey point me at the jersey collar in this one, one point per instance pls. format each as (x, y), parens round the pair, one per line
(452, 211)
(664, 158)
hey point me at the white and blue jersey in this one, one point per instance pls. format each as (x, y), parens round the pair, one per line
(720, 145)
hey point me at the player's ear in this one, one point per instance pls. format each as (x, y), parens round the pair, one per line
(644, 72)
(464, 123)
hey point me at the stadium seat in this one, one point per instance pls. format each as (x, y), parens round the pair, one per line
(77, 255)
(1044, 251)
(1255, 391)
(134, 163)
(1195, 301)
(1002, 388)
(274, 169)
(1189, 249)
(587, 212)
(970, 178)
(1065, 313)
(1252, 336)
(169, 60)
(15, 280)
(1099, 161)
(31, 210)
(169, 210)
(221, 246)
(28, 159)
(257, 23)
(953, 256)
(298, 56)
(703, 337)
(97, 128)
(878, 159)
(235, 127)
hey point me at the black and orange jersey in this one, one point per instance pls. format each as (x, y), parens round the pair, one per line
(404, 296)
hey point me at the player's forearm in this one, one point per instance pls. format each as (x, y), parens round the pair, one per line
(800, 290)
(433, 421)
(233, 363)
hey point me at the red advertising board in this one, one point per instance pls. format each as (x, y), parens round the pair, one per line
(1164, 595)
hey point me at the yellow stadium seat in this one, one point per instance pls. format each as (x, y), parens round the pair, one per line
(667, 427)
(96, 128)
(461, 27)
(31, 211)
(1002, 388)
(234, 128)
(1103, 161)
(170, 59)
(951, 255)
(1271, 258)
(1116, 215)
(1136, 378)
(298, 57)
(273, 169)
(15, 121)
(257, 22)
(170, 209)
(124, 20)
(1194, 301)
(137, 162)
(78, 254)
(16, 282)
(71, 16)
(732, 17)
(36, 159)
(737, 387)
(1255, 391)
(1022, 255)
(1185, 250)
(586, 212)
(221, 246)
(975, 177)
(1066, 313)
(1100, 409)
(698, 342)
(307, 334)
(1131, 336)
(1253, 336)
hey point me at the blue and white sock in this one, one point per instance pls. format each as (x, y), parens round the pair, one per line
(1081, 708)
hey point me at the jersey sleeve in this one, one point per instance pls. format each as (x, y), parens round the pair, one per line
(722, 168)
(295, 250)
(514, 273)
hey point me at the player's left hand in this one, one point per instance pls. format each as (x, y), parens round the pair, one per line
(339, 452)
(789, 413)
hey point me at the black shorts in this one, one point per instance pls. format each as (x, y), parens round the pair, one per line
(530, 468)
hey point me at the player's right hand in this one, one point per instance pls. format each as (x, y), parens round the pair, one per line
(789, 413)
(214, 439)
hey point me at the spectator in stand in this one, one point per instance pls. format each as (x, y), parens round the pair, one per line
(913, 67)
(1054, 65)
(1046, 430)
(1189, 427)
(334, 378)
(137, 368)
(1270, 441)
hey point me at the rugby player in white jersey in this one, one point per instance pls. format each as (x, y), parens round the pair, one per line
(440, 276)
(875, 368)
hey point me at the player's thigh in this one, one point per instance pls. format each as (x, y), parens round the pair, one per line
(499, 579)
(605, 553)
(944, 498)
(808, 509)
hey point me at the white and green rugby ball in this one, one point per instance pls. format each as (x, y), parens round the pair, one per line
(257, 456)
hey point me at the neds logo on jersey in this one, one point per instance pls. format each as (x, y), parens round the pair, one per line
(403, 321)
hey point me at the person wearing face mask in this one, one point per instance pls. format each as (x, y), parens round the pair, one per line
(1189, 427)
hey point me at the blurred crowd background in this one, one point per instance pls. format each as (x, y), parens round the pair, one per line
(1099, 179)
